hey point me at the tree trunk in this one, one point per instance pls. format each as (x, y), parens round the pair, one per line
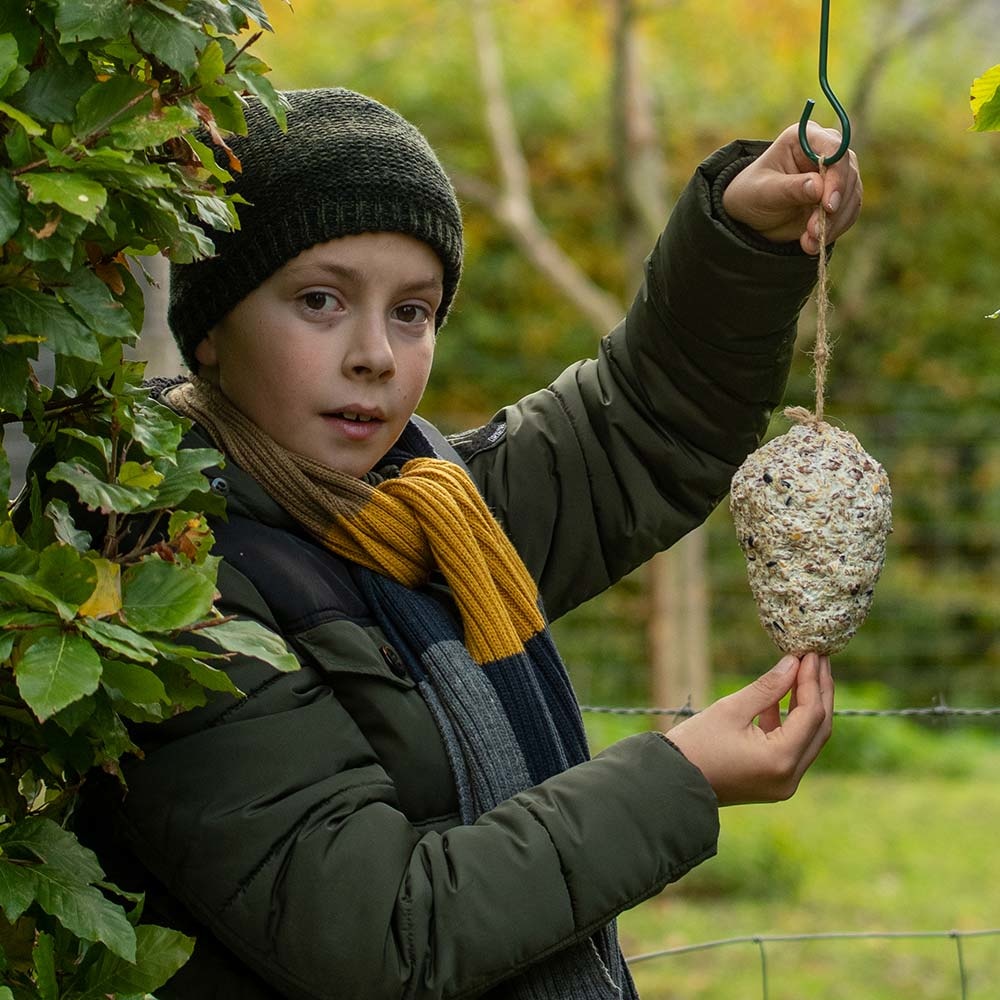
(156, 344)
(676, 580)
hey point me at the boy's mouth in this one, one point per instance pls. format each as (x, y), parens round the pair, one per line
(354, 416)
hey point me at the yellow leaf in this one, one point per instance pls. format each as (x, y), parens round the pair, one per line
(107, 596)
(142, 476)
(983, 88)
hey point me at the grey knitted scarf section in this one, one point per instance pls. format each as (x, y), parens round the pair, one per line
(491, 764)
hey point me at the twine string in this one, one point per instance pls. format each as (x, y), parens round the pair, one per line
(821, 351)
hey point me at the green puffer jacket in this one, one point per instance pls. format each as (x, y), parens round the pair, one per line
(309, 833)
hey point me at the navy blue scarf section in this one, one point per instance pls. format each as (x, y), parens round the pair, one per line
(506, 726)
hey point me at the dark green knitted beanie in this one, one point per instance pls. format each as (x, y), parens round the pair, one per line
(346, 165)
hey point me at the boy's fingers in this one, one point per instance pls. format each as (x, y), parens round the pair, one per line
(770, 718)
(760, 698)
(826, 699)
(813, 721)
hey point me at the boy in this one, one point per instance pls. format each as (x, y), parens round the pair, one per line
(413, 813)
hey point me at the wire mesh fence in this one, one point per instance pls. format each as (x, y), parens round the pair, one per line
(762, 941)
(775, 973)
(932, 711)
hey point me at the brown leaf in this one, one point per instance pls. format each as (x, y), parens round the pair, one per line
(111, 276)
(48, 229)
(205, 114)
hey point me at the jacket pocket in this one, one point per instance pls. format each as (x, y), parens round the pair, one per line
(344, 647)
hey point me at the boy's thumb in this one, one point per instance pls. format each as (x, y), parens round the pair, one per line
(776, 683)
(803, 189)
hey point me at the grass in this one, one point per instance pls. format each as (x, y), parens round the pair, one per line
(905, 845)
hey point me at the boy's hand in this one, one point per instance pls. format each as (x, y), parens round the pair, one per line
(744, 762)
(779, 194)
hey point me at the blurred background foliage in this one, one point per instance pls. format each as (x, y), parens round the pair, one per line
(916, 365)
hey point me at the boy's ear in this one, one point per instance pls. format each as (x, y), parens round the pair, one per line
(205, 353)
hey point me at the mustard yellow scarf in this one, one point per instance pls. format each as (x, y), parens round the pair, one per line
(431, 517)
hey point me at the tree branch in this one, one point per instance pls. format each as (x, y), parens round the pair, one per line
(512, 204)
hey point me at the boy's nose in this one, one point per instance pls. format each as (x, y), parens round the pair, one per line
(369, 354)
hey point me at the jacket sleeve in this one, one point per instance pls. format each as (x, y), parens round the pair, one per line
(274, 822)
(637, 446)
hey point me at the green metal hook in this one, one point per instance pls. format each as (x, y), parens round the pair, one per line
(845, 122)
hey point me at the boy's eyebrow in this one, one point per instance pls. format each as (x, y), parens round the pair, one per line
(353, 274)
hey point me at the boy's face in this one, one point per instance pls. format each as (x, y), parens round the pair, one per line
(331, 354)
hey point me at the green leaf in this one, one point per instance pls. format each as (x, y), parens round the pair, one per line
(119, 168)
(166, 33)
(218, 213)
(25, 121)
(19, 589)
(42, 840)
(249, 71)
(109, 101)
(118, 639)
(10, 207)
(225, 17)
(155, 427)
(212, 65)
(95, 304)
(52, 91)
(109, 727)
(253, 639)
(57, 870)
(226, 107)
(26, 311)
(85, 19)
(31, 619)
(160, 223)
(65, 573)
(208, 160)
(94, 492)
(160, 952)
(200, 672)
(7, 640)
(149, 130)
(15, 20)
(56, 670)
(73, 716)
(66, 530)
(988, 118)
(17, 889)
(15, 371)
(17, 79)
(158, 596)
(100, 444)
(44, 956)
(185, 478)
(8, 57)
(71, 192)
(253, 10)
(41, 242)
(133, 683)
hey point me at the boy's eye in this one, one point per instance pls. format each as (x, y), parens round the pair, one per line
(410, 312)
(319, 301)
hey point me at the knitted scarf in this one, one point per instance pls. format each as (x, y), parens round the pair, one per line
(493, 681)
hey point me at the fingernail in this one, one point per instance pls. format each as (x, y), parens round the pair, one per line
(834, 203)
(785, 664)
(810, 187)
